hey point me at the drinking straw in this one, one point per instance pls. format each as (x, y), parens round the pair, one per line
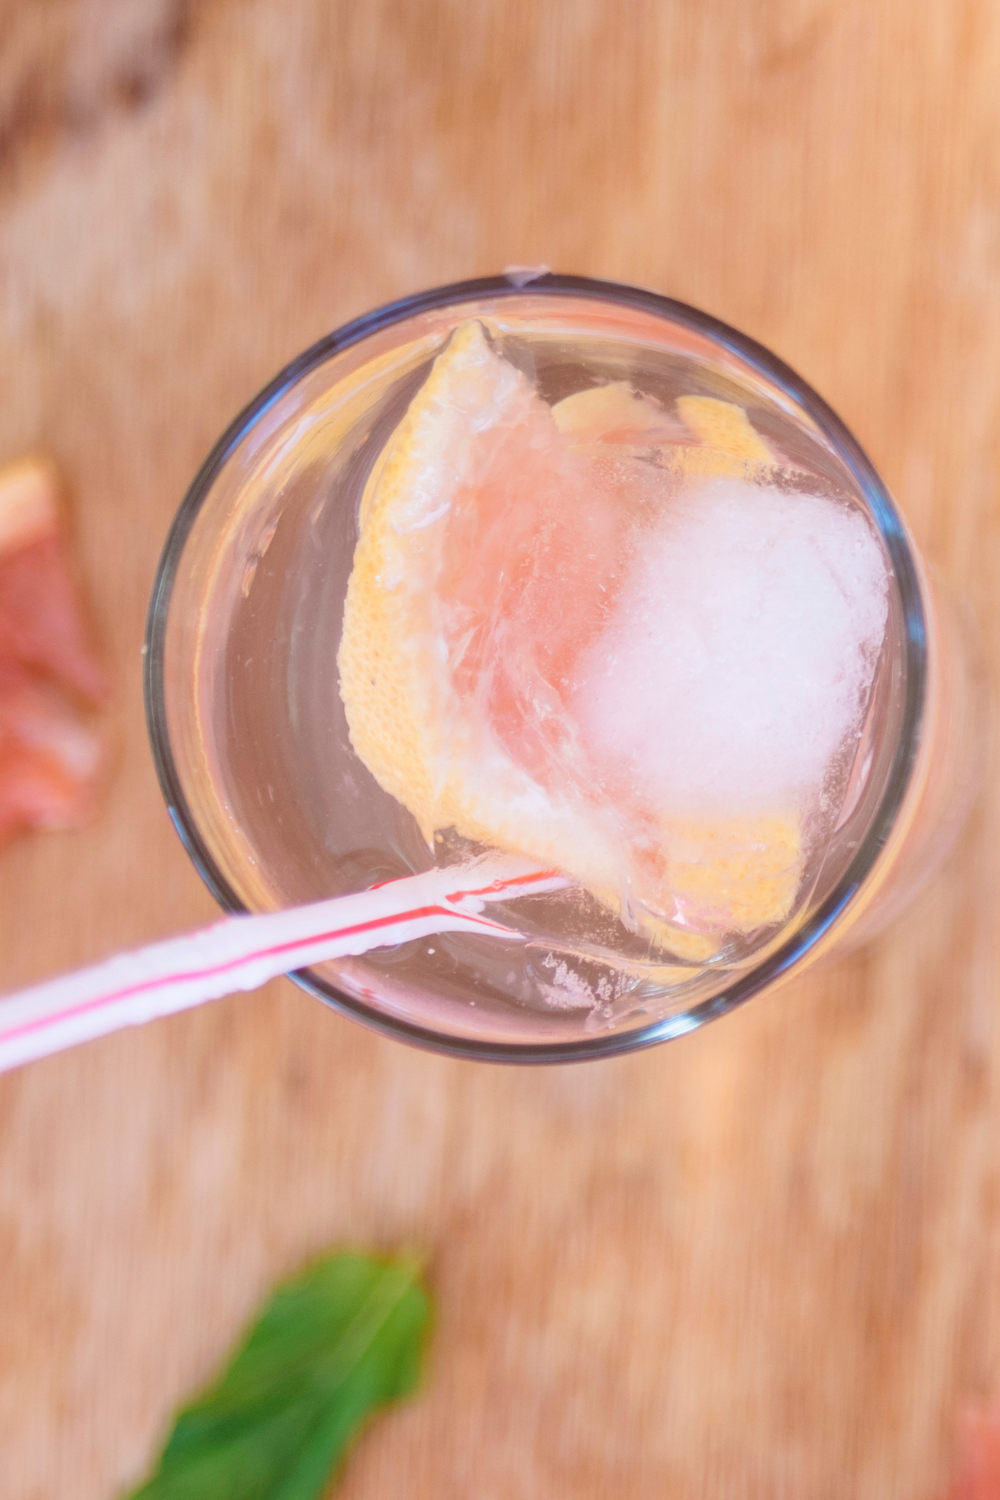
(242, 953)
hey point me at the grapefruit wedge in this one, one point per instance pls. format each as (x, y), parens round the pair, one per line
(495, 537)
(472, 591)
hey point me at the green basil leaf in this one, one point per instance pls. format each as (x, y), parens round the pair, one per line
(345, 1337)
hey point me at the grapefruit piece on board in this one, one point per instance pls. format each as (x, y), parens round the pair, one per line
(978, 1476)
(51, 757)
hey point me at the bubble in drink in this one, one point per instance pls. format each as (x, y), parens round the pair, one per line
(628, 639)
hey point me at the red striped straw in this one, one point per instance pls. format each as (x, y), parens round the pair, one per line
(242, 953)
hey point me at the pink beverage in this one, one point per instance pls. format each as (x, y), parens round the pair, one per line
(575, 573)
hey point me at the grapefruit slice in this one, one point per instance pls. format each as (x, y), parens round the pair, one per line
(726, 445)
(50, 756)
(42, 622)
(612, 413)
(465, 544)
(495, 535)
(50, 760)
(742, 873)
(978, 1474)
(724, 426)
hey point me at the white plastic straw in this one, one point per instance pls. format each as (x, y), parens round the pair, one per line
(242, 953)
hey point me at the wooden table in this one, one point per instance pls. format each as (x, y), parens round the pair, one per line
(764, 1261)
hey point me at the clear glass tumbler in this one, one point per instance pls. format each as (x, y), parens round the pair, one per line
(250, 737)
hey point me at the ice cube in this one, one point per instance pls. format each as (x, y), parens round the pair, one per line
(740, 652)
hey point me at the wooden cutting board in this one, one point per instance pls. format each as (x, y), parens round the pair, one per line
(763, 1261)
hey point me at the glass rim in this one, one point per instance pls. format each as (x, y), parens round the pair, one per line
(883, 512)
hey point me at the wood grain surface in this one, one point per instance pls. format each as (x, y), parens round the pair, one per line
(760, 1262)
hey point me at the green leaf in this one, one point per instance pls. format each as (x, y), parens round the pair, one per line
(343, 1338)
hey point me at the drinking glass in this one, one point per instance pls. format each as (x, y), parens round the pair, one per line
(249, 733)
